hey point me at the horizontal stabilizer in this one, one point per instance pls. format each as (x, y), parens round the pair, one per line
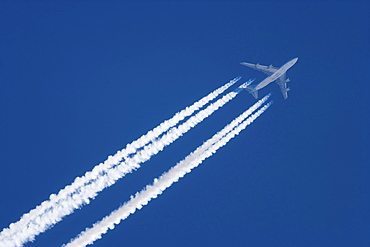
(252, 91)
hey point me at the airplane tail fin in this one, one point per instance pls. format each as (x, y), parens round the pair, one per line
(252, 91)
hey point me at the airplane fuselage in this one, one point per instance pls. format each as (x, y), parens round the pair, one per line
(282, 70)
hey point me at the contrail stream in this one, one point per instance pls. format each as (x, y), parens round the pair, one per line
(85, 193)
(51, 211)
(173, 175)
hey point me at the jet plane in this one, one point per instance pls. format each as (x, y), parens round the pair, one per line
(273, 73)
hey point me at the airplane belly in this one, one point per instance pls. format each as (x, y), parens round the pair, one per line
(263, 83)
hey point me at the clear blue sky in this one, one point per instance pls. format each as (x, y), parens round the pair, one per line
(80, 80)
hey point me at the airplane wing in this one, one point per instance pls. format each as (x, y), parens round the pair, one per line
(282, 83)
(268, 70)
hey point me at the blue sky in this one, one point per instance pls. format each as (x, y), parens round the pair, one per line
(80, 80)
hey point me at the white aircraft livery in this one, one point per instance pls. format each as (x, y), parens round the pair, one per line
(273, 73)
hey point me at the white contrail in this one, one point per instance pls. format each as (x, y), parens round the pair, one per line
(85, 193)
(167, 179)
(19, 233)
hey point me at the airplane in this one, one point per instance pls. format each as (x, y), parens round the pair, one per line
(273, 73)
